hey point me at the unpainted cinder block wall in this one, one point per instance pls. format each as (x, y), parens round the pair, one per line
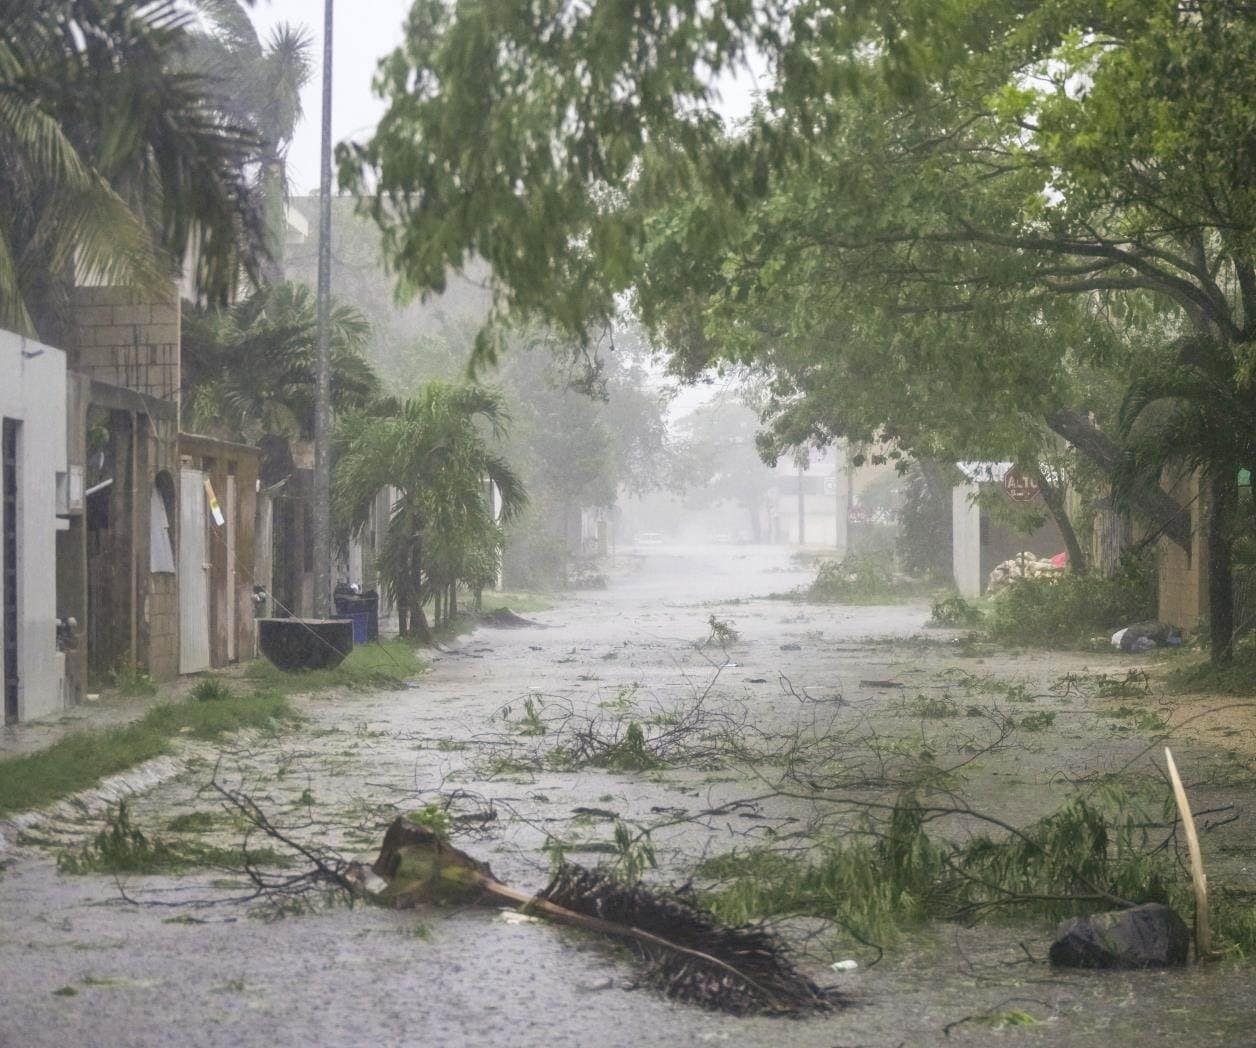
(128, 338)
(1183, 575)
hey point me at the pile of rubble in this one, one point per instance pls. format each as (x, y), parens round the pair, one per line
(1025, 565)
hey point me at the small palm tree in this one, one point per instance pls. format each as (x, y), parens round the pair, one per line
(248, 370)
(115, 163)
(436, 451)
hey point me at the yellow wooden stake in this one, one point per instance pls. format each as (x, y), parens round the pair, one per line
(1203, 932)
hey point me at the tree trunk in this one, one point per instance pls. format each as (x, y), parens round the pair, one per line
(1221, 498)
(1158, 506)
(452, 603)
(422, 631)
(1053, 496)
(1111, 537)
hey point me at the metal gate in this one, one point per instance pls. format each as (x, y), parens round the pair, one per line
(8, 554)
(193, 574)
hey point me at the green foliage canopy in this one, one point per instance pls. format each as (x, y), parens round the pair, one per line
(115, 163)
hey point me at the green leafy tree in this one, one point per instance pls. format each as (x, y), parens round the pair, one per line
(997, 208)
(433, 449)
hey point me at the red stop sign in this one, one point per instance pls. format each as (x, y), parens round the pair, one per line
(1019, 487)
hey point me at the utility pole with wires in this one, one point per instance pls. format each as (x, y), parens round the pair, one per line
(322, 399)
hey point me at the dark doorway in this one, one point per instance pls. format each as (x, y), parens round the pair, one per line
(111, 473)
(8, 547)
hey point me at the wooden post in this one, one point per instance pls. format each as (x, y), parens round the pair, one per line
(1203, 932)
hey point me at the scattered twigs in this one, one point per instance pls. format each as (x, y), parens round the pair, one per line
(998, 1015)
(329, 868)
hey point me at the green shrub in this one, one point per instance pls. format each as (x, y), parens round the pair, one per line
(890, 874)
(853, 580)
(132, 681)
(211, 689)
(954, 612)
(1069, 611)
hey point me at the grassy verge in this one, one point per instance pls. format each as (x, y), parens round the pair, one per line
(517, 601)
(84, 758)
(1195, 675)
(384, 664)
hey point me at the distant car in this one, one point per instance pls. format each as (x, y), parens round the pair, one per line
(650, 538)
(722, 536)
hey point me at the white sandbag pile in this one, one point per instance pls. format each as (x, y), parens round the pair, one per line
(1022, 566)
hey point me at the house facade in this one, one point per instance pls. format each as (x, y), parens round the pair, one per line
(128, 546)
(35, 487)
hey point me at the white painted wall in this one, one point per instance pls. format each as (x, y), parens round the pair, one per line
(966, 540)
(32, 390)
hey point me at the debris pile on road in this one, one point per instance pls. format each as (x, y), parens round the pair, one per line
(683, 950)
(504, 618)
(1144, 636)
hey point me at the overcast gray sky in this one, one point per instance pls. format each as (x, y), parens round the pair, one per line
(364, 31)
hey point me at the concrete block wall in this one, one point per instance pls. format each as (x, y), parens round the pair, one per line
(125, 338)
(161, 626)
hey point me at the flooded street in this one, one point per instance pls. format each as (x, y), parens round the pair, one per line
(494, 732)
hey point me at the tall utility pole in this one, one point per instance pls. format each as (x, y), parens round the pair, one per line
(322, 398)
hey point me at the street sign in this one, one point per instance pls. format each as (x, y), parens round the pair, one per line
(1019, 487)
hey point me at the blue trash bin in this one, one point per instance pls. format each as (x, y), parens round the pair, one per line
(361, 625)
(359, 609)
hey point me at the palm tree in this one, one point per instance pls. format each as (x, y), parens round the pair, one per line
(1191, 413)
(248, 370)
(266, 79)
(115, 164)
(435, 450)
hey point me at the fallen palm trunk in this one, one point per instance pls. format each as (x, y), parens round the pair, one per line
(684, 951)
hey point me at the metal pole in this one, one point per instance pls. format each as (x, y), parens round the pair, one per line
(802, 511)
(322, 401)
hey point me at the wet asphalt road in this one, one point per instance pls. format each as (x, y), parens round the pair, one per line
(79, 965)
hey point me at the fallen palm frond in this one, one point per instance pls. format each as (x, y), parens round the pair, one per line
(689, 953)
(685, 951)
